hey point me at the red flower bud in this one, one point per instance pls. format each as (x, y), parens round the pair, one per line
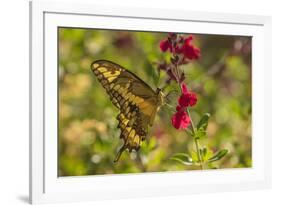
(184, 88)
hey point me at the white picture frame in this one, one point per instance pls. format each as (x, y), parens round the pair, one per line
(47, 187)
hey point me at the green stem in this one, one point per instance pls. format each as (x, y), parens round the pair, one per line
(192, 124)
(195, 141)
(193, 132)
(198, 153)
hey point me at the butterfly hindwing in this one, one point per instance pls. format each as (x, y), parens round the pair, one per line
(136, 101)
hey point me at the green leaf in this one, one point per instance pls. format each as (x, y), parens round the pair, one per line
(203, 123)
(184, 155)
(206, 154)
(181, 161)
(218, 155)
(183, 158)
(194, 156)
(199, 134)
(203, 152)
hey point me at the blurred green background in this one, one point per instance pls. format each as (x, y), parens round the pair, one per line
(88, 137)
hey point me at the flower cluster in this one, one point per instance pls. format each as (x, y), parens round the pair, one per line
(182, 53)
(181, 46)
(181, 120)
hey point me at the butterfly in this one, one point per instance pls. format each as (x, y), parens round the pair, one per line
(137, 102)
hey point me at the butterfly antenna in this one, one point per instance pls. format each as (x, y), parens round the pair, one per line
(167, 99)
(164, 87)
(119, 153)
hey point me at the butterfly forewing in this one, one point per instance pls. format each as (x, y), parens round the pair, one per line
(135, 99)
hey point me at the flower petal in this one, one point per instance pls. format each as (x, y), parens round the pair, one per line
(184, 88)
(180, 120)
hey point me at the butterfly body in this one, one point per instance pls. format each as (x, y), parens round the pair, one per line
(137, 102)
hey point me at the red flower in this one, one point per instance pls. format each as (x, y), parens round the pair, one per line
(187, 98)
(165, 45)
(180, 120)
(188, 50)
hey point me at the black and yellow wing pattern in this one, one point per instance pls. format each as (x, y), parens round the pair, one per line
(137, 102)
